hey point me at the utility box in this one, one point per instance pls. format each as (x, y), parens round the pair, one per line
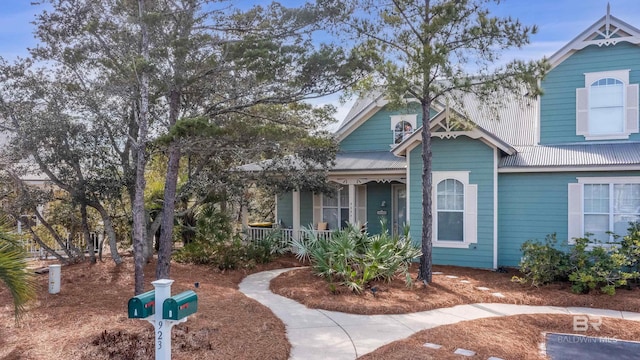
(180, 306)
(143, 305)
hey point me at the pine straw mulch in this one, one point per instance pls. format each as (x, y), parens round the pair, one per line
(395, 298)
(515, 337)
(88, 318)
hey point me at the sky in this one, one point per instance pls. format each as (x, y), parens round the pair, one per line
(558, 21)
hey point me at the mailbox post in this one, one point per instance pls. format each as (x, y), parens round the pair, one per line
(174, 311)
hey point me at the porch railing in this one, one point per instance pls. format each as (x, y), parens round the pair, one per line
(283, 235)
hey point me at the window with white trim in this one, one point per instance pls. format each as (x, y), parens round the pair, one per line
(450, 210)
(454, 209)
(335, 209)
(607, 107)
(601, 206)
(403, 126)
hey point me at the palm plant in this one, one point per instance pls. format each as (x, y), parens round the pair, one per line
(354, 258)
(13, 269)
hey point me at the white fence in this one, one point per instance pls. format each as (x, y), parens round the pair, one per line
(283, 235)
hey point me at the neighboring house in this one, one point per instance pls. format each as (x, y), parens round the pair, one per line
(566, 163)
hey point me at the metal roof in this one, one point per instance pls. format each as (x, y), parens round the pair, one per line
(351, 161)
(375, 160)
(603, 154)
(513, 119)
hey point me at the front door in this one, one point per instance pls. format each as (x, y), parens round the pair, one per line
(399, 208)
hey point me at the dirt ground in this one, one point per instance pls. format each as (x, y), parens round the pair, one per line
(88, 319)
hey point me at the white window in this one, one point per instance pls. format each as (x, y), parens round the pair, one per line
(403, 126)
(454, 209)
(450, 208)
(607, 107)
(335, 209)
(601, 206)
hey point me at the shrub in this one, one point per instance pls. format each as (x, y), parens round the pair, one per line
(597, 265)
(354, 259)
(630, 246)
(542, 262)
(588, 264)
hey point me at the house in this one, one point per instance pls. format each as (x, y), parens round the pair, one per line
(565, 163)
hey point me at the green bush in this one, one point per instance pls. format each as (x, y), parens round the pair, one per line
(596, 265)
(587, 265)
(354, 259)
(630, 246)
(543, 263)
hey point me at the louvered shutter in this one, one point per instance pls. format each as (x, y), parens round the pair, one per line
(575, 213)
(471, 213)
(632, 109)
(582, 111)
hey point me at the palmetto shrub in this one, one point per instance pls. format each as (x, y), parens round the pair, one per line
(353, 258)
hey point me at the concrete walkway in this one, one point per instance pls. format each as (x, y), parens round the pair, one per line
(321, 334)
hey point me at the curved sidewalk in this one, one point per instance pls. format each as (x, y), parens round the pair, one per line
(321, 334)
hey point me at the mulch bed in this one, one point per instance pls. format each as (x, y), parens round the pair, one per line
(88, 318)
(395, 298)
(514, 337)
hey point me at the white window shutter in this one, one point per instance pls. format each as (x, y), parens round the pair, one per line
(575, 213)
(632, 109)
(471, 213)
(317, 209)
(582, 111)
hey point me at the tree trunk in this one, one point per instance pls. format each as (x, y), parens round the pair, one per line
(139, 218)
(425, 272)
(108, 228)
(168, 211)
(87, 234)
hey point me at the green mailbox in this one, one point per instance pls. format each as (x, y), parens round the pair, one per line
(180, 306)
(143, 305)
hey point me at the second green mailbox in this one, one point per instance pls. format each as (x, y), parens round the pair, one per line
(180, 306)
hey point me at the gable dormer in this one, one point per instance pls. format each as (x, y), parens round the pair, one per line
(591, 92)
(374, 125)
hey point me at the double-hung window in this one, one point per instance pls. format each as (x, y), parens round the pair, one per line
(607, 107)
(602, 206)
(335, 209)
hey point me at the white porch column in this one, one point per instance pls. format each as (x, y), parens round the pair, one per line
(352, 203)
(296, 214)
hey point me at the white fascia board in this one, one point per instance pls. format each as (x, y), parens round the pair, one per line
(579, 41)
(548, 169)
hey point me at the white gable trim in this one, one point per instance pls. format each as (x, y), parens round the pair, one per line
(612, 26)
(476, 133)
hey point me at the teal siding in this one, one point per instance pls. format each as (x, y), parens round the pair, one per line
(375, 133)
(558, 104)
(530, 206)
(306, 209)
(461, 154)
(376, 193)
(285, 210)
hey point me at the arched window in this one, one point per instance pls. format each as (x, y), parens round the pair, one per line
(450, 210)
(606, 107)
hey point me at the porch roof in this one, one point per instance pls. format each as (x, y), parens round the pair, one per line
(368, 161)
